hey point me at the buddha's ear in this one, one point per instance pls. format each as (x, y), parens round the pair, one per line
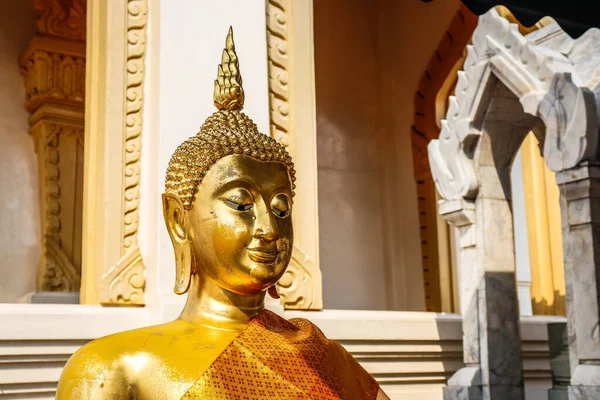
(175, 218)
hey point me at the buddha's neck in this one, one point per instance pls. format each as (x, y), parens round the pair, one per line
(210, 305)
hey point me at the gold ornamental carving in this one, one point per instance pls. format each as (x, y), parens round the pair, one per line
(53, 71)
(124, 282)
(61, 18)
(278, 15)
(53, 75)
(136, 47)
(298, 287)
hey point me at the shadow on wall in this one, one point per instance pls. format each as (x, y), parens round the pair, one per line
(547, 307)
(368, 212)
(19, 198)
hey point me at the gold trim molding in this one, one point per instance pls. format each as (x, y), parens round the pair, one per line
(114, 271)
(137, 15)
(126, 281)
(291, 88)
(278, 16)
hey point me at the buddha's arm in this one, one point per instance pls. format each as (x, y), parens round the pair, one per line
(381, 395)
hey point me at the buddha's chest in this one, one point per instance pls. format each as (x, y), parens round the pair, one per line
(174, 366)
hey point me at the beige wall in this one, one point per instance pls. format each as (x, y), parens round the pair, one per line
(19, 201)
(369, 58)
(183, 96)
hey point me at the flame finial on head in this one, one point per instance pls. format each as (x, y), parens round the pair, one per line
(227, 131)
(229, 94)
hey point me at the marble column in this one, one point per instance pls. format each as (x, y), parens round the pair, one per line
(489, 302)
(580, 192)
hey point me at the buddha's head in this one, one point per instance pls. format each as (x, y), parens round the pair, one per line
(228, 197)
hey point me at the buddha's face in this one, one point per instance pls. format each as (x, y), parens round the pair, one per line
(240, 225)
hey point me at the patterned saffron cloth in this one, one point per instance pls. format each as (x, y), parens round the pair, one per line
(278, 359)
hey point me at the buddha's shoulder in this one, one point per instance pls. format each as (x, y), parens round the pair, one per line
(119, 349)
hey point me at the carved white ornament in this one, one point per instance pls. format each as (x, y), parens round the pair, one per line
(551, 84)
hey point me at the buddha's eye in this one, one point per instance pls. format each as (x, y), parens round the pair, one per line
(281, 205)
(236, 206)
(239, 199)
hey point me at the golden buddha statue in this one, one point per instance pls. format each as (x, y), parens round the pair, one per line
(227, 207)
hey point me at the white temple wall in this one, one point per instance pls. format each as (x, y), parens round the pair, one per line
(191, 38)
(20, 242)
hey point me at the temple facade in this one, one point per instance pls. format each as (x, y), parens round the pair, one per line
(446, 212)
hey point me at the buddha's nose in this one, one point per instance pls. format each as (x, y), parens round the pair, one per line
(266, 227)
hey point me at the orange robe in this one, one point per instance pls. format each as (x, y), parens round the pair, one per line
(273, 358)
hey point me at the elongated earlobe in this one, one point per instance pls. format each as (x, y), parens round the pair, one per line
(273, 292)
(174, 214)
(183, 269)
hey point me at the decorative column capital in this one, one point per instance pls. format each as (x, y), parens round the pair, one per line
(459, 212)
(584, 171)
(581, 188)
(54, 73)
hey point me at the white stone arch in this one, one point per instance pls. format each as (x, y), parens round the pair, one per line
(536, 74)
(555, 79)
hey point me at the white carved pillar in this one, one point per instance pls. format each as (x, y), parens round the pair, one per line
(489, 303)
(570, 114)
(580, 187)
(461, 214)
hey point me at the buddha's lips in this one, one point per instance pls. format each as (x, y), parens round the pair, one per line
(262, 255)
